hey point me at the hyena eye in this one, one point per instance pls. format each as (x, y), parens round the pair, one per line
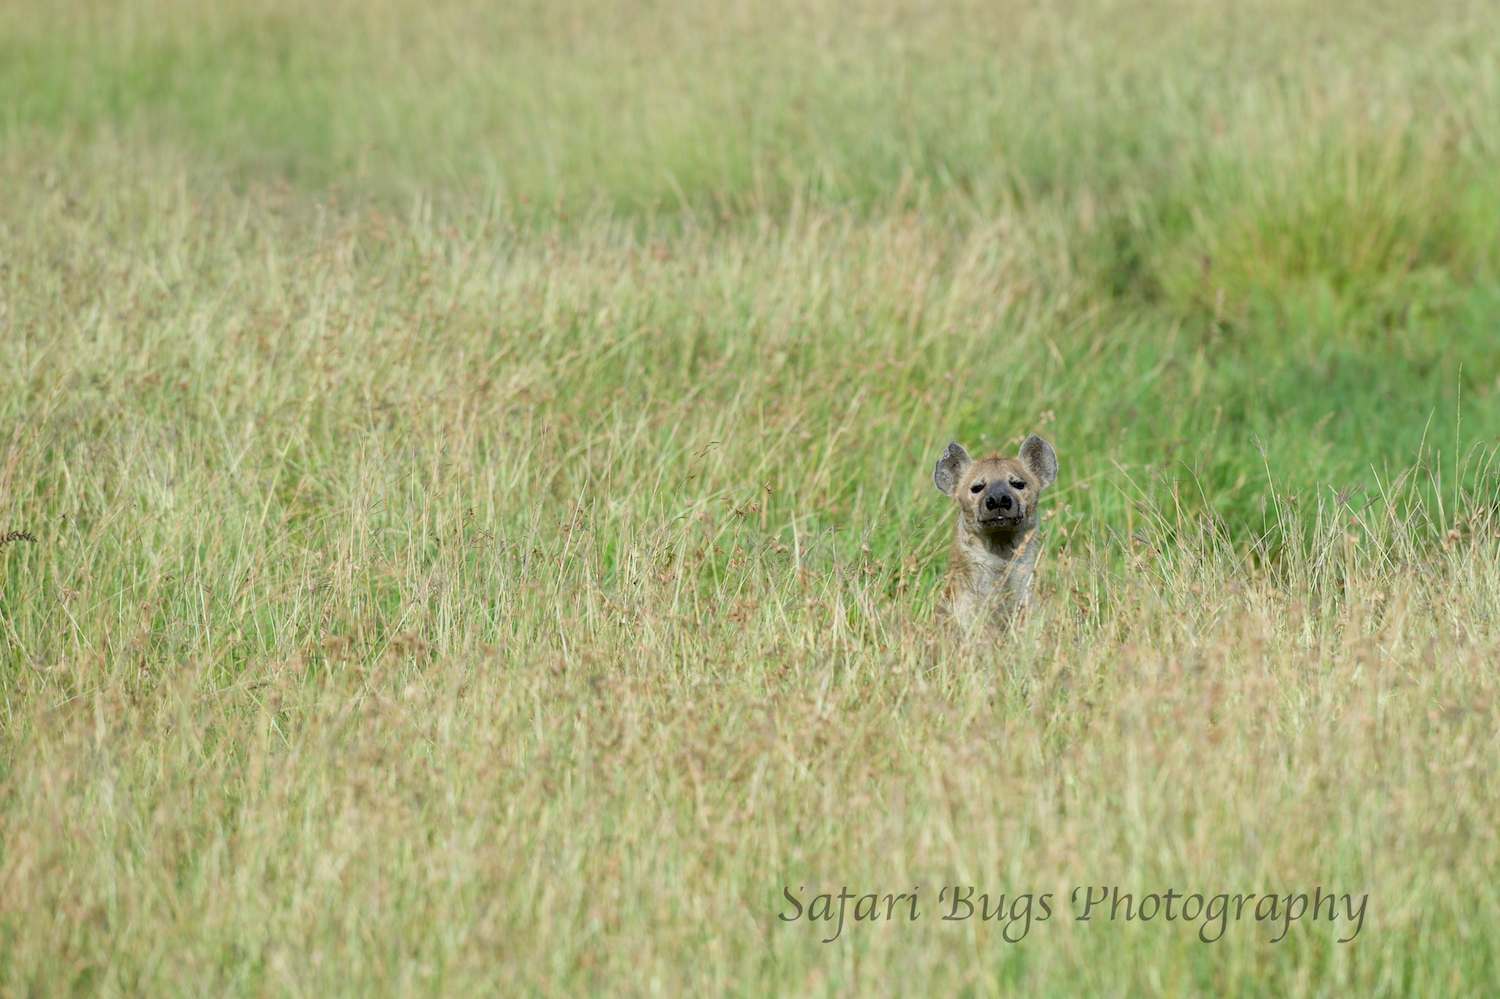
(1017, 485)
(977, 487)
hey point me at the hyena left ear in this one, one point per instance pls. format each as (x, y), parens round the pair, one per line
(1039, 458)
(951, 467)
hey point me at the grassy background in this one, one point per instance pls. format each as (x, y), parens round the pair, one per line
(478, 463)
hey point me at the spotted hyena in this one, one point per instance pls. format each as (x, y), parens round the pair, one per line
(996, 540)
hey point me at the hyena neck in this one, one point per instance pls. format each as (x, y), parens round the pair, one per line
(992, 573)
(999, 554)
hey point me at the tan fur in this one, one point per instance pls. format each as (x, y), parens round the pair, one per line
(996, 540)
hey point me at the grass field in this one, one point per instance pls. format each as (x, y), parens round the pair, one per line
(467, 527)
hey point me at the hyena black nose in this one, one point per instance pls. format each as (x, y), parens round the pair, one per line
(1001, 502)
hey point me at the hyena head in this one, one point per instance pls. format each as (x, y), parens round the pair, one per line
(996, 495)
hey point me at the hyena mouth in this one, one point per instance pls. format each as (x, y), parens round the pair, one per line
(1002, 523)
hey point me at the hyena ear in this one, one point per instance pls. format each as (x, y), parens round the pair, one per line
(1039, 458)
(951, 467)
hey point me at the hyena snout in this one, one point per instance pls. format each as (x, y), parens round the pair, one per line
(999, 498)
(999, 504)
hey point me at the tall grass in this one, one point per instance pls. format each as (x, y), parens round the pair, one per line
(475, 469)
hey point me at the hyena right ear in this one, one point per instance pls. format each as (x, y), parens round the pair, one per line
(951, 467)
(1038, 456)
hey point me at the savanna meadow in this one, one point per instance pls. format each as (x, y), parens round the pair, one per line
(467, 518)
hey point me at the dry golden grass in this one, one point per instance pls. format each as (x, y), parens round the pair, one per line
(469, 597)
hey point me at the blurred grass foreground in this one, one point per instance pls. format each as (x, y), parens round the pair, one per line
(466, 521)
